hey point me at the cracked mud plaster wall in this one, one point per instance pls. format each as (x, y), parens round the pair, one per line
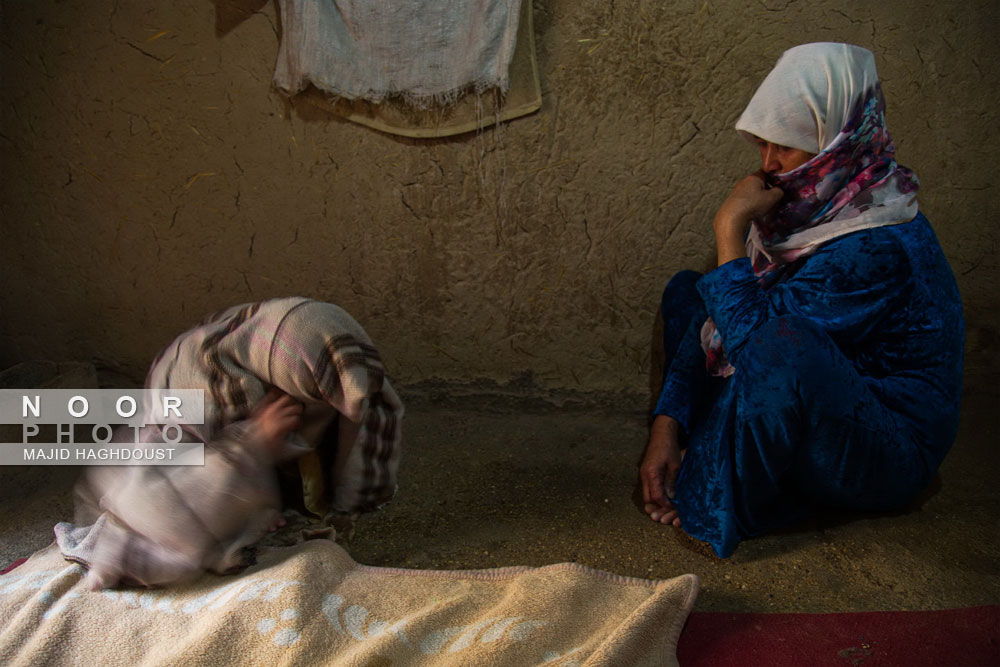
(151, 175)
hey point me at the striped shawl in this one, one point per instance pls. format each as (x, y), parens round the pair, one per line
(317, 353)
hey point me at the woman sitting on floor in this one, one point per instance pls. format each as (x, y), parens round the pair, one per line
(820, 364)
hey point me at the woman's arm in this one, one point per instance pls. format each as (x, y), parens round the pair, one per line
(659, 469)
(847, 287)
(684, 379)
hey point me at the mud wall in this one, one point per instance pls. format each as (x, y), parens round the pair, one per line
(151, 175)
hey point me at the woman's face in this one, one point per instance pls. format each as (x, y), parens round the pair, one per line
(777, 159)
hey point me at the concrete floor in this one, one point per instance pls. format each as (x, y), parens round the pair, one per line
(482, 486)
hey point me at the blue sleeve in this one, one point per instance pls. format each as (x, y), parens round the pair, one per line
(847, 287)
(682, 378)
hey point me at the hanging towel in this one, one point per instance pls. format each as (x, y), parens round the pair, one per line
(427, 52)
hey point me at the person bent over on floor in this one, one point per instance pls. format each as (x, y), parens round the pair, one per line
(286, 379)
(820, 365)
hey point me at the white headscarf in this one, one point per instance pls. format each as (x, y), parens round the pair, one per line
(813, 100)
(806, 99)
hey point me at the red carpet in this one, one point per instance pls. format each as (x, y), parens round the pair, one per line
(965, 637)
(12, 565)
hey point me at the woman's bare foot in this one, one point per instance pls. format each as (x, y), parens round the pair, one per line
(663, 515)
(275, 521)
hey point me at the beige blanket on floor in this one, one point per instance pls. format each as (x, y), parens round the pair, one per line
(312, 604)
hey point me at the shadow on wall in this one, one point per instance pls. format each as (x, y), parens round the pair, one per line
(231, 13)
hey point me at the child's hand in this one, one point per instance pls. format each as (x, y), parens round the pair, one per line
(275, 417)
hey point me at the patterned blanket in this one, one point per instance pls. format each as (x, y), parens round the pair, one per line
(312, 604)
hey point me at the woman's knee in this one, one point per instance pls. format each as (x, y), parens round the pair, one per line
(790, 362)
(679, 292)
(791, 343)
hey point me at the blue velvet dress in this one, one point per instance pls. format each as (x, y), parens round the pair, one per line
(846, 390)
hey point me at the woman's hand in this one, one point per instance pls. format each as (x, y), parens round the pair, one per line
(659, 469)
(750, 199)
(275, 417)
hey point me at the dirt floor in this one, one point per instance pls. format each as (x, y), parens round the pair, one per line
(484, 486)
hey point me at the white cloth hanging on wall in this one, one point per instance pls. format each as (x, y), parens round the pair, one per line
(425, 51)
